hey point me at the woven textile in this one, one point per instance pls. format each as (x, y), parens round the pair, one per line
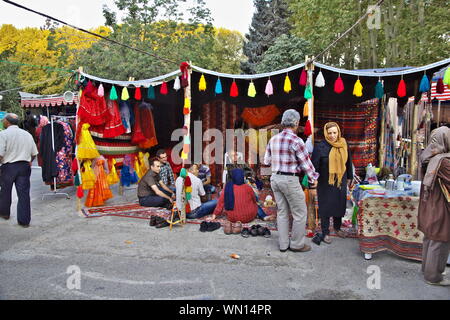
(390, 224)
(359, 125)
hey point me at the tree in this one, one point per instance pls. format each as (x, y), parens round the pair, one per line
(286, 52)
(268, 23)
(413, 32)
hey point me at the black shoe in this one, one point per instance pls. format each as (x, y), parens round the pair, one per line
(24, 225)
(152, 221)
(4, 217)
(213, 226)
(204, 226)
(245, 232)
(254, 230)
(284, 250)
(163, 224)
(317, 239)
(266, 233)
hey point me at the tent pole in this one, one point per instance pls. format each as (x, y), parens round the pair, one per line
(439, 113)
(413, 159)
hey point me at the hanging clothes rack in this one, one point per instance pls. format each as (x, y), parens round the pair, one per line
(52, 119)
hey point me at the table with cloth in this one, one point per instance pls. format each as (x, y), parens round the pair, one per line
(387, 220)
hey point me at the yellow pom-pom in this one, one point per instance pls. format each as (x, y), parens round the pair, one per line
(202, 83)
(251, 90)
(187, 103)
(287, 84)
(357, 89)
(306, 109)
(125, 95)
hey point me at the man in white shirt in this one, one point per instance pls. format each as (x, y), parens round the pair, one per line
(198, 209)
(17, 152)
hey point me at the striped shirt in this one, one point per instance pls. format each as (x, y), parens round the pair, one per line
(286, 152)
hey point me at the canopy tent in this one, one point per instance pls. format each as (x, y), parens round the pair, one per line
(30, 100)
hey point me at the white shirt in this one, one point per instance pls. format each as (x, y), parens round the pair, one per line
(16, 145)
(197, 191)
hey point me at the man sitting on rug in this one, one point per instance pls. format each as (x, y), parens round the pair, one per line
(197, 208)
(152, 192)
(166, 172)
(204, 174)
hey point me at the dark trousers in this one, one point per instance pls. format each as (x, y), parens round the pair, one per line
(17, 173)
(156, 201)
(325, 224)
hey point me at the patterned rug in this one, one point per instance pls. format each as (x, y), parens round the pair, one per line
(134, 210)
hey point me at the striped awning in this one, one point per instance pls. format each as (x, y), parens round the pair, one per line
(37, 101)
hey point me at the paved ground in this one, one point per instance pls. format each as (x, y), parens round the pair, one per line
(121, 258)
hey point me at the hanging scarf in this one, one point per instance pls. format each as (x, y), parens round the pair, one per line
(434, 153)
(337, 158)
(237, 178)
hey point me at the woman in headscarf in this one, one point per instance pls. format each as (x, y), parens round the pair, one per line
(332, 160)
(237, 201)
(434, 206)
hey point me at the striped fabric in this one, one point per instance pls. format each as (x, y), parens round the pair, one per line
(444, 96)
(47, 102)
(359, 125)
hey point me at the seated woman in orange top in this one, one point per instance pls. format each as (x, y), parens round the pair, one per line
(238, 200)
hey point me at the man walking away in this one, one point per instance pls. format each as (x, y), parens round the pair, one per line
(17, 152)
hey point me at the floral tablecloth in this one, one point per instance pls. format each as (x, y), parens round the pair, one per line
(390, 224)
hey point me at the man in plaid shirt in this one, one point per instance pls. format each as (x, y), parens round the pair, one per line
(287, 155)
(166, 173)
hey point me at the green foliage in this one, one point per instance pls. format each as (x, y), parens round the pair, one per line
(413, 32)
(268, 23)
(286, 52)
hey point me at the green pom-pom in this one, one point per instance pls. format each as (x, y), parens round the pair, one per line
(113, 94)
(308, 94)
(183, 173)
(379, 90)
(77, 180)
(151, 93)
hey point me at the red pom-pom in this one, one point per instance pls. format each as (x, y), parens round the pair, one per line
(164, 89)
(137, 93)
(303, 78)
(80, 192)
(401, 90)
(187, 182)
(440, 88)
(234, 91)
(308, 130)
(74, 165)
(338, 85)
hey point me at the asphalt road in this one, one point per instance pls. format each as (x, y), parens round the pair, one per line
(121, 258)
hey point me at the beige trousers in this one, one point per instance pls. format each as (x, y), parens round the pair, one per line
(434, 259)
(290, 199)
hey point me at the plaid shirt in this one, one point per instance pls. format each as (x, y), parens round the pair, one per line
(166, 174)
(286, 152)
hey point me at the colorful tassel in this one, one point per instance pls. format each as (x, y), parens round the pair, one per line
(80, 192)
(164, 90)
(269, 88)
(202, 83)
(308, 94)
(306, 109)
(379, 90)
(184, 67)
(234, 91)
(218, 89)
(287, 84)
(184, 155)
(101, 90)
(320, 80)
(308, 130)
(251, 90)
(177, 84)
(151, 93)
(183, 173)
(113, 94)
(187, 139)
(77, 181)
(125, 96)
(424, 84)
(401, 89)
(447, 77)
(138, 94)
(358, 89)
(303, 78)
(338, 85)
(440, 86)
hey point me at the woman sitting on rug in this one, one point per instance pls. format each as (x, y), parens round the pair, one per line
(237, 201)
(333, 162)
